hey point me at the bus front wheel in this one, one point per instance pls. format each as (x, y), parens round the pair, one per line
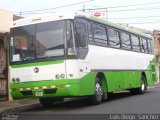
(97, 98)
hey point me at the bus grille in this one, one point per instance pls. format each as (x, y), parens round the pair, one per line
(27, 92)
(49, 91)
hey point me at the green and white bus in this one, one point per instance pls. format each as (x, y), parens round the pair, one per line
(55, 56)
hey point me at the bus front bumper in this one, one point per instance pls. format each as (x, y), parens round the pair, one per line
(39, 89)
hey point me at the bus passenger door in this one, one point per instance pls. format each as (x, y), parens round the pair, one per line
(77, 48)
(81, 39)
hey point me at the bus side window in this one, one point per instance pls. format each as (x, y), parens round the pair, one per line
(81, 37)
(113, 36)
(125, 41)
(135, 43)
(100, 37)
(144, 45)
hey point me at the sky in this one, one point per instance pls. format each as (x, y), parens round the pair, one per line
(143, 14)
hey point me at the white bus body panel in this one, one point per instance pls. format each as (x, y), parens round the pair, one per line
(46, 72)
(98, 59)
(103, 58)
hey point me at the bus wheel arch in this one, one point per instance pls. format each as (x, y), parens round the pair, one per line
(144, 75)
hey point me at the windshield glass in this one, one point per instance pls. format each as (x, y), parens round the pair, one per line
(37, 42)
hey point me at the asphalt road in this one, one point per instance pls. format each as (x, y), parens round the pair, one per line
(120, 106)
(122, 102)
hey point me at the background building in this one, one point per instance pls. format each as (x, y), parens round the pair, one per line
(156, 35)
(6, 18)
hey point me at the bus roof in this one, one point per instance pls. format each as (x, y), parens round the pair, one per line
(70, 15)
(40, 18)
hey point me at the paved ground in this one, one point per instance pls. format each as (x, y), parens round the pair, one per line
(119, 103)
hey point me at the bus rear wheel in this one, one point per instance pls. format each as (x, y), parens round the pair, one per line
(143, 87)
(97, 98)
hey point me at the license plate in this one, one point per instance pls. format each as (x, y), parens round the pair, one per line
(39, 94)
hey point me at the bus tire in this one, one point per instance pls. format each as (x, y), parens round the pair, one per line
(46, 102)
(143, 87)
(97, 98)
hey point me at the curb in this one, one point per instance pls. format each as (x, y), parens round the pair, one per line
(20, 108)
(154, 86)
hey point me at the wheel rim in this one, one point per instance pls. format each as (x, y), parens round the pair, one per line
(142, 86)
(98, 91)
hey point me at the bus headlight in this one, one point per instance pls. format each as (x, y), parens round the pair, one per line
(62, 76)
(57, 76)
(18, 80)
(13, 80)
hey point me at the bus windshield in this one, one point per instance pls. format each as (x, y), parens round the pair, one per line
(37, 42)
